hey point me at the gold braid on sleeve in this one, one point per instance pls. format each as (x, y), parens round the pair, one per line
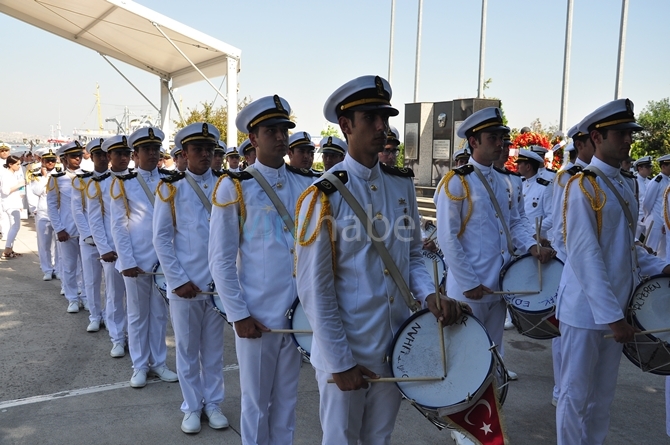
(558, 178)
(325, 217)
(80, 189)
(54, 187)
(170, 199)
(665, 208)
(121, 194)
(98, 194)
(466, 196)
(597, 201)
(239, 200)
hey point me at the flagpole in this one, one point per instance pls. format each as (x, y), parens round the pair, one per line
(566, 69)
(622, 49)
(482, 49)
(418, 52)
(391, 41)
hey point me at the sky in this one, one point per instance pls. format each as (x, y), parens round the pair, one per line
(303, 50)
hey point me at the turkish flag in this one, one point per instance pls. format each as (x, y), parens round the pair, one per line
(481, 421)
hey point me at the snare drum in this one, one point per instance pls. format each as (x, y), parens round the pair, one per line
(299, 321)
(649, 309)
(472, 360)
(533, 315)
(217, 303)
(429, 258)
(159, 281)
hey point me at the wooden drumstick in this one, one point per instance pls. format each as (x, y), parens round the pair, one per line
(438, 303)
(288, 331)
(538, 226)
(151, 273)
(202, 293)
(646, 235)
(515, 292)
(651, 331)
(398, 379)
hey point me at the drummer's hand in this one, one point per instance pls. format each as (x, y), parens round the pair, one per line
(544, 254)
(649, 250)
(429, 245)
(133, 272)
(451, 310)
(109, 257)
(544, 242)
(623, 332)
(478, 292)
(250, 328)
(188, 290)
(353, 379)
(63, 236)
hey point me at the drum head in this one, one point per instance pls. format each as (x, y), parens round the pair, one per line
(415, 352)
(650, 306)
(431, 258)
(521, 275)
(159, 280)
(299, 321)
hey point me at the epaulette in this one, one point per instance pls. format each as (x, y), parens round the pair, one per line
(327, 187)
(302, 171)
(130, 175)
(627, 174)
(85, 175)
(550, 170)
(397, 171)
(543, 182)
(58, 169)
(36, 170)
(589, 173)
(572, 171)
(464, 170)
(504, 171)
(173, 178)
(58, 175)
(165, 171)
(102, 177)
(658, 178)
(239, 175)
(219, 173)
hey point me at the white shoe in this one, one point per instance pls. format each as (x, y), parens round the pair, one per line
(84, 304)
(62, 291)
(139, 379)
(118, 350)
(47, 277)
(73, 307)
(93, 326)
(509, 325)
(554, 401)
(164, 374)
(460, 438)
(512, 375)
(216, 418)
(191, 423)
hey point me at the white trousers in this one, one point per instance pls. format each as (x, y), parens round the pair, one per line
(147, 323)
(4, 222)
(365, 416)
(589, 371)
(92, 274)
(69, 257)
(198, 334)
(657, 239)
(14, 216)
(115, 311)
(46, 240)
(492, 316)
(269, 372)
(556, 358)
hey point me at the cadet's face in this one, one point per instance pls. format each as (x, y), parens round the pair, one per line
(644, 170)
(4, 154)
(367, 132)
(73, 160)
(665, 168)
(615, 148)
(199, 156)
(389, 154)
(330, 159)
(250, 156)
(181, 162)
(233, 161)
(585, 150)
(217, 160)
(119, 159)
(525, 169)
(271, 143)
(301, 157)
(148, 156)
(488, 147)
(100, 162)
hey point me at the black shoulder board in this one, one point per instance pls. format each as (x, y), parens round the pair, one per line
(219, 173)
(464, 169)
(239, 175)
(165, 171)
(128, 176)
(627, 174)
(327, 187)
(543, 181)
(36, 170)
(85, 175)
(504, 171)
(57, 175)
(572, 171)
(302, 171)
(589, 173)
(101, 177)
(550, 170)
(174, 178)
(397, 171)
(58, 169)
(658, 178)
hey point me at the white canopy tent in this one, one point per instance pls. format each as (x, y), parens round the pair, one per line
(129, 32)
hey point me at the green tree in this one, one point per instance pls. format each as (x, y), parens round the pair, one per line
(218, 117)
(330, 130)
(400, 160)
(654, 140)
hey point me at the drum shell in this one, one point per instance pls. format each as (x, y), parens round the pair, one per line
(298, 320)
(159, 281)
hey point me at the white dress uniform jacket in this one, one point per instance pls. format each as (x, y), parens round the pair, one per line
(561, 180)
(642, 224)
(653, 208)
(537, 194)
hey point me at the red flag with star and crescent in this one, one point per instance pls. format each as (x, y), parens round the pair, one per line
(482, 421)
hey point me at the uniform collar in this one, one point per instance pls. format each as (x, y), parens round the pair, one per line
(581, 163)
(357, 169)
(121, 173)
(483, 168)
(608, 170)
(96, 173)
(148, 174)
(200, 178)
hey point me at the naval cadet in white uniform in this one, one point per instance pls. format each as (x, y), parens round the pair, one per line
(181, 237)
(233, 159)
(251, 258)
(653, 206)
(59, 208)
(46, 237)
(537, 191)
(132, 209)
(98, 204)
(350, 299)
(642, 169)
(248, 151)
(333, 150)
(218, 155)
(90, 263)
(603, 267)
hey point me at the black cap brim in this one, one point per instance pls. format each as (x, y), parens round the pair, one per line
(276, 121)
(388, 109)
(634, 126)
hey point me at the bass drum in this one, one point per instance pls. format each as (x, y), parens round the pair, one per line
(431, 258)
(298, 319)
(649, 309)
(159, 281)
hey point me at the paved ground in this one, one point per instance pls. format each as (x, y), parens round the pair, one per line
(60, 386)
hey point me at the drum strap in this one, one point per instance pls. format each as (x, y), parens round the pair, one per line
(198, 191)
(145, 187)
(376, 240)
(622, 203)
(496, 206)
(267, 188)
